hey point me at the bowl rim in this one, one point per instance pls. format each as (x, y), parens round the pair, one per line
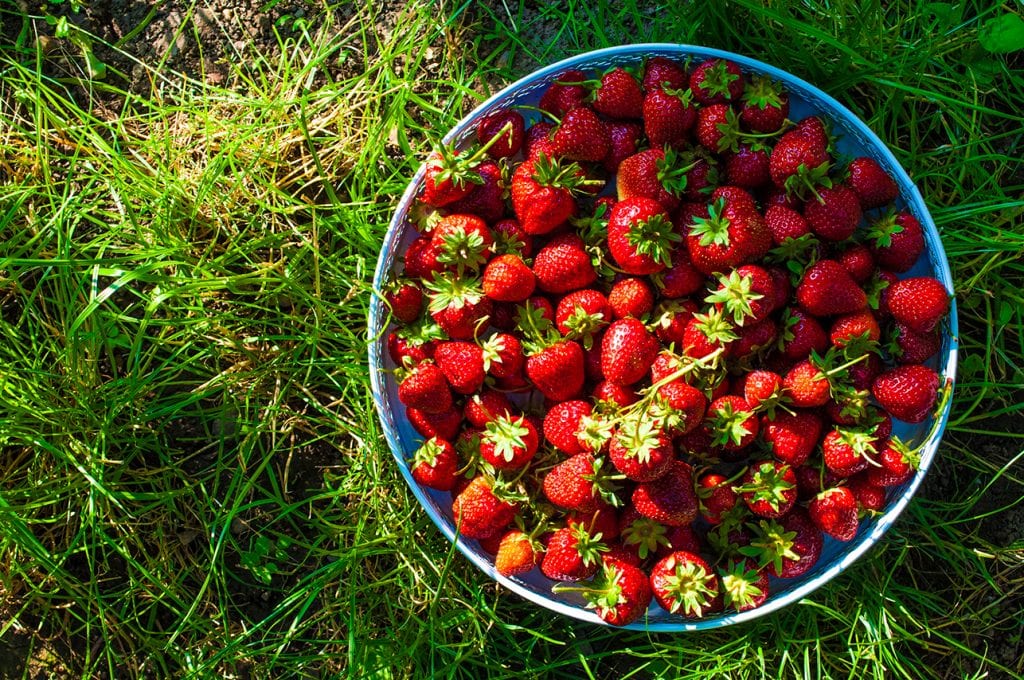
(881, 524)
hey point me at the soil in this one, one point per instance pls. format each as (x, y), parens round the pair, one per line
(200, 41)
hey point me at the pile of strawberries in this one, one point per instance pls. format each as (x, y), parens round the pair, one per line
(654, 342)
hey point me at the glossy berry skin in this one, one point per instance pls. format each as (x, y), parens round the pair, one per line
(897, 241)
(562, 423)
(557, 370)
(919, 302)
(627, 351)
(640, 235)
(834, 511)
(671, 498)
(792, 437)
(872, 184)
(426, 388)
(769, 488)
(508, 279)
(516, 554)
(631, 588)
(907, 392)
(563, 265)
(619, 95)
(827, 289)
(478, 512)
(435, 463)
(581, 136)
(834, 214)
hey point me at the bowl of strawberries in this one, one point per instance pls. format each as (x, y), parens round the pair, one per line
(664, 337)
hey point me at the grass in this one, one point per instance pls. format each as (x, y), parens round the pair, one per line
(192, 479)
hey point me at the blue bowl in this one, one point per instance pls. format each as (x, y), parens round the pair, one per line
(855, 139)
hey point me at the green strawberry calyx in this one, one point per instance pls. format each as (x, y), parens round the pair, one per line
(654, 237)
(713, 229)
(739, 589)
(690, 587)
(735, 294)
(771, 545)
(506, 435)
(767, 485)
(728, 425)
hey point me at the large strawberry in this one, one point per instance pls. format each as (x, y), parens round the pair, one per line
(679, 406)
(435, 463)
(509, 442)
(462, 363)
(919, 302)
(715, 81)
(834, 213)
(572, 554)
(543, 193)
(564, 265)
(627, 351)
(556, 369)
(670, 499)
(458, 305)
(503, 355)
(641, 450)
(641, 235)
(620, 593)
(872, 184)
(425, 388)
(624, 140)
(800, 160)
(848, 450)
(581, 136)
(907, 392)
(733, 234)
(792, 437)
(834, 511)
(669, 116)
(518, 553)
(683, 583)
(618, 95)
(507, 278)
(768, 488)
(444, 425)
(896, 240)
(663, 72)
(580, 483)
(827, 289)
(483, 508)
(563, 424)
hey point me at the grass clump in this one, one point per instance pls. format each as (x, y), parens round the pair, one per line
(192, 479)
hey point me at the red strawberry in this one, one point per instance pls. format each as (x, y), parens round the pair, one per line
(812, 479)
(671, 498)
(562, 425)
(919, 302)
(801, 334)
(421, 259)
(563, 265)
(405, 299)
(408, 349)
(445, 425)
(487, 199)
(508, 279)
(681, 278)
(744, 585)
(765, 105)
(480, 510)
(572, 554)
(579, 483)
(503, 355)
(517, 553)
(507, 123)
(734, 233)
(834, 511)
(641, 235)
(791, 545)
(747, 294)
(768, 488)
(717, 497)
(717, 80)
(847, 451)
(683, 583)
(631, 297)
(509, 442)
(747, 167)
(642, 535)
(827, 289)
(619, 95)
(834, 214)
(543, 193)
(617, 395)
(462, 363)
(447, 177)
(620, 593)
(425, 388)
(641, 450)
(897, 464)
(538, 140)
(907, 392)
(670, 318)
(462, 241)
(435, 464)
(708, 333)
(662, 72)
(583, 313)
(792, 437)
(785, 223)
(681, 406)
(624, 140)
(627, 351)
(870, 497)
(580, 136)
(567, 92)
(716, 128)
(733, 423)
(858, 261)
(806, 385)
(896, 240)
(762, 389)
(872, 184)
(800, 160)
(669, 115)
(485, 406)
(557, 369)
(654, 173)
(855, 327)
(458, 306)
(911, 347)
(509, 237)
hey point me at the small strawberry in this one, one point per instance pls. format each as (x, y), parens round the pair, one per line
(580, 483)
(669, 116)
(568, 91)
(462, 363)
(556, 369)
(717, 497)
(507, 278)
(789, 547)
(447, 178)
(827, 289)
(834, 213)
(641, 450)
(681, 279)
(897, 464)
(503, 355)
(615, 395)
(858, 261)
(509, 237)
(907, 392)
(715, 81)
(792, 437)
(765, 105)
(517, 553)
(671, 498)
(619, 95)
(509, 128)
(919, 302)
(483, 508)
(762, 390)
(410, 345)
(855, 330)
(768, 488)
(744, 585)
(896, 240)
(800, 160)
(435, 463)
(425, 388)
(870, 497)
(734, 233)
(734, 425)
(621, 592)
(834, 511)
(563, 423)
(563, 265)
(631, 297)
(572, 554)
(669, 320)
(485, 406)
(580, 136)
(487, 199)
(509, 442)
(873, 185)
(717, 128)
(801, 334)
(444, 425)
(683, 583)
(627, 351)
(806, 385)
(405, 299)
(641, 235)
(421, 259)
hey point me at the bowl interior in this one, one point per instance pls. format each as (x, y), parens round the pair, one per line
(855, 139)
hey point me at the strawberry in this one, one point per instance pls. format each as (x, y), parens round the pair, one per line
(708, 333)
(562, 425)
(911, 347)
(627, 351)
(744, 585)
(640, 235)
(747, 167)
(806, 385)
(444, 425)
(568, 91)
(669, 116)
(631, 297)
(517, 553)
(896, 240)
(907, 392)
(800, 160)
(834, 512)
(619, 95)
(768, 488)
(538, 140)
(762, 390)
(572, 554)
(681, 278)
(556, 369)
(624, 141)
(919, 302)
(847, 451)
(462, 241)
(485, 406)
(580, 136)
(509, 237)
(716, 128)
(435, 464)
(508, 279)
(447, 178)
(789, 547)
(616, 395)
(487, 199)
(405, 299)
(858, 261)
(897, 464)
(641, 450)
(733, 423)
(765, 106)
(503, 355)
(834, 214)
(543, 191)
(462, 363)
(482, 509)
(421, 259)
(579, 483)
(792, 437)
(654, 173)
(827, 289)
(717, 497)
(683, 583)
(680, 406)
(671, 498)
(458, 306)
(872, 184)
(563, 265)
(669, 320)
(811, 479)
(858, 327)
(662, 72)
(620, 593)
(509, 442)
(725, 239)
(509, 128)
(785, 223)
(425, 388)
(583, 313)
(870, 497)
(410, 345)
(746, 293)
(643, 535)
(715, 81)
(801, 334)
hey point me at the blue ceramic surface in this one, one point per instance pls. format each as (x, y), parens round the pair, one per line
(855, 139)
